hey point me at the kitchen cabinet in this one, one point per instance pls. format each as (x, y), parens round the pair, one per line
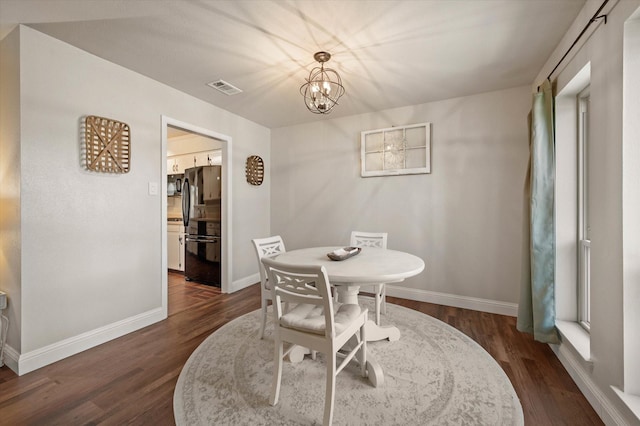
(176, 164)
(208, 158)
(202, 158)
(185, 161)
(172, 166)
(175, 246)
(211, 183)
(211, 158)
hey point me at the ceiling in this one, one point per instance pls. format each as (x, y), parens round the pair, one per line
(388, 53)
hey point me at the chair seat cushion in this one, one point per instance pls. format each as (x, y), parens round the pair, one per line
(310, 318)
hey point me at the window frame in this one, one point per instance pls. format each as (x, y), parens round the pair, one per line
(584, 238)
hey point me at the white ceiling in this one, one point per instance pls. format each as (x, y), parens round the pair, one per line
(388, 53)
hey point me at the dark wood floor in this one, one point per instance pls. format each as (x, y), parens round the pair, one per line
(131, 380)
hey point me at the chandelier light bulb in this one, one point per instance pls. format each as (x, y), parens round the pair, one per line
(323, 87)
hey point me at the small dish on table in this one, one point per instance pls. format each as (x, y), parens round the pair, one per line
(343, 253)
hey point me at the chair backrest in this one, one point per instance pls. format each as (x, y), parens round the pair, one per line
(267, 247)
(369, 239)
(308, 284)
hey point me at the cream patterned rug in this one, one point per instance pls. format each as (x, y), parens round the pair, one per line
(434, 375)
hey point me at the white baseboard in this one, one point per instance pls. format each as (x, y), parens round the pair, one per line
(10, 358)
(473, 303)
(38, 358)
(483, 305)
(244, 282)
(631, 401)
(598, 400)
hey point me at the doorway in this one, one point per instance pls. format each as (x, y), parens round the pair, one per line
(172, 127)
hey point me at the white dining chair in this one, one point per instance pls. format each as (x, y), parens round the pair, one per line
(373, 239)
(314, 323)
(269, 247)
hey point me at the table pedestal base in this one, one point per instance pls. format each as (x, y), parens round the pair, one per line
(374, 371)
(297, 354)
(375, 332)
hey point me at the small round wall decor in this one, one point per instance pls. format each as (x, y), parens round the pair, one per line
(255, 170)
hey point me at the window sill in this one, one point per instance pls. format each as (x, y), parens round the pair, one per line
(632, 401)
(572, 333)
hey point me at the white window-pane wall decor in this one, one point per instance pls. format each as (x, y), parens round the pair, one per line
(401, 150)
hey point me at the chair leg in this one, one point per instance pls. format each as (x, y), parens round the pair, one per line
(263, 317)
(362, 355)
(277, 372)
(330, 389)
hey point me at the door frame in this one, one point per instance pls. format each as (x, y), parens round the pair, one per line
(227, 216)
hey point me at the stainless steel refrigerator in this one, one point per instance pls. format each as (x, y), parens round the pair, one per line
(202, 217)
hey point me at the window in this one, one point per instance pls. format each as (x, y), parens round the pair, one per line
(572, 213)
(584, 238)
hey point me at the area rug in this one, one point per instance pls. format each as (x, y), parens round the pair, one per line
(433, 375)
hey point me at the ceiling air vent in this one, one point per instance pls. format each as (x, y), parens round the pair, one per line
(224, 87)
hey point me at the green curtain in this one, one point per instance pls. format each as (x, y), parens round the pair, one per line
(536, 310)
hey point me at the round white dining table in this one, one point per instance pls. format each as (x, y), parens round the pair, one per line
(371, 266)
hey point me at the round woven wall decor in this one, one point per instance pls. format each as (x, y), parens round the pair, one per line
(255, 170)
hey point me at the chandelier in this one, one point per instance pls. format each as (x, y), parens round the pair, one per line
(323, 87)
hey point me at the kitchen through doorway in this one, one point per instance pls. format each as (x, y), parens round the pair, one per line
(196, 213)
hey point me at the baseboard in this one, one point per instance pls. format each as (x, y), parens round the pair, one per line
(244, 282)
(598, 400)
(10, 358)
(483, 305)
(631, 401)
(473, 303)
(38, 358)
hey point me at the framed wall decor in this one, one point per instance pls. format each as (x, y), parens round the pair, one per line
(107, 145)
(402, 150)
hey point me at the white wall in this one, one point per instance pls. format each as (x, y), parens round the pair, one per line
(631, 206)
(464, 219)
(10, 256)
(91, 242)
(602, 47)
